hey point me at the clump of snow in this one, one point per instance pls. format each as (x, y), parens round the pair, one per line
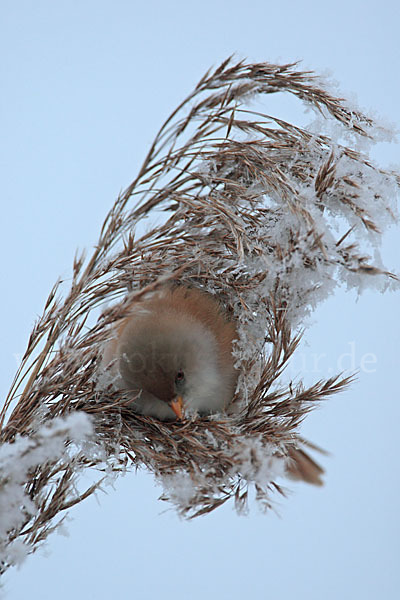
(254, 463)
(180, 488)
(17, 460)
(258, 463)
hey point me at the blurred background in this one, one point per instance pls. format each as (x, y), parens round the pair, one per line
(85, 87)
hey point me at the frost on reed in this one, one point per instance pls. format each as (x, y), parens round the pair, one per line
(266, 215)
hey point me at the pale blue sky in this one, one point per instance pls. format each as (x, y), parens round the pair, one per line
(85, 86)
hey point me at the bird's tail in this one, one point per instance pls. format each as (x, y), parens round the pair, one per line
(301, 466)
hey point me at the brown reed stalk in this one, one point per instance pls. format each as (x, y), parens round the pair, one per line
(249, 205)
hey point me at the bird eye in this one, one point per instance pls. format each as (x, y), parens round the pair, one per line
(179, 377)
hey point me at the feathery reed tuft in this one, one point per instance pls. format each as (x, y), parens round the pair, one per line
(267, 215)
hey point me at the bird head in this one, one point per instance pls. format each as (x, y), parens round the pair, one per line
(173, 359)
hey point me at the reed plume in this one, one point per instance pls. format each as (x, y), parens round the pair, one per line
(269, 216)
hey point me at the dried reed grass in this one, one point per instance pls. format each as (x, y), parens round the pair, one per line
(247, 200)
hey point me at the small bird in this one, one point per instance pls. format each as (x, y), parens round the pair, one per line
(174, 354)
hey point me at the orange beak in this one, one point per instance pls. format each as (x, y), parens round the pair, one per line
(177, 407)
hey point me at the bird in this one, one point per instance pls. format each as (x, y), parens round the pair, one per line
(173, 354)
